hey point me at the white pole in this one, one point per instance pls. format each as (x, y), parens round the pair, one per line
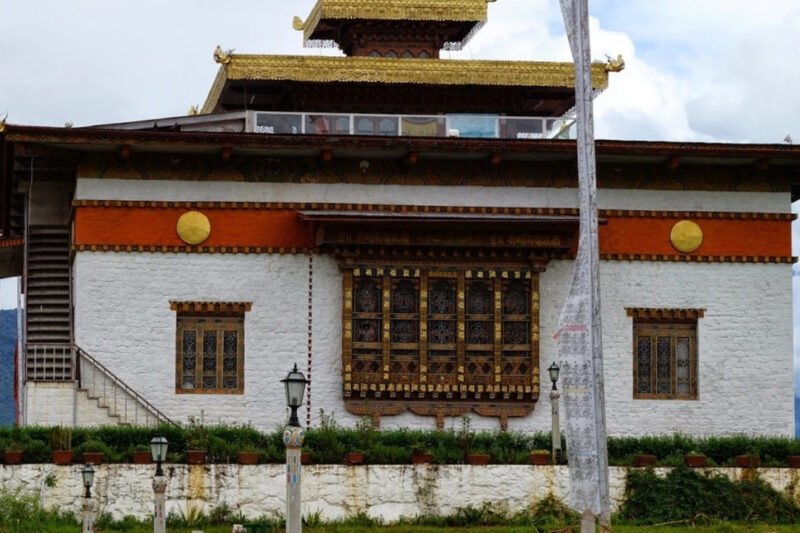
(20, 377)
(293, 438)
(88, 516)
(159, 504)
(556, 429)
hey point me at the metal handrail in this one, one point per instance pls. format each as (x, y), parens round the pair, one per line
(160, 416)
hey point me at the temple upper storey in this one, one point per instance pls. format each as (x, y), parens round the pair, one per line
(393, 28)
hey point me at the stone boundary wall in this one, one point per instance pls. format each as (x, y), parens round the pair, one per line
(336, 491)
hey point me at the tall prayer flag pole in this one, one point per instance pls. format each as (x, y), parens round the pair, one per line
(579, 335)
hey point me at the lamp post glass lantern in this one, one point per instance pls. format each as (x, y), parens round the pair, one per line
(87, 473)
(158, 451)
(554, 370)
(295, 384)
(87, 509)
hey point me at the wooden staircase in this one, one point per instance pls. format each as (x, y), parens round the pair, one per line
(48, 348)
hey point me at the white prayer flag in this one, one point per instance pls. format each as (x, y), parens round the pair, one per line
(579, 339)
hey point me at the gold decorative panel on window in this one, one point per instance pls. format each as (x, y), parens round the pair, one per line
(665, 353)
(209, 347)
(438, 341)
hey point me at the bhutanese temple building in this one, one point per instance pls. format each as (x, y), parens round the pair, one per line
(403, 227)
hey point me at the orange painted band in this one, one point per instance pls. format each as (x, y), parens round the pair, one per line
(154, 228)
(726, 237)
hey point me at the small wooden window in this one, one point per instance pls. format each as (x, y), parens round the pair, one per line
(664, 357)
(209, 348)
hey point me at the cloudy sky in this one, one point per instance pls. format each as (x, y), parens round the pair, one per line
(711, 70)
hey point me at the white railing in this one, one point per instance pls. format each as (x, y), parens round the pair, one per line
(110, 391)
(471, 126)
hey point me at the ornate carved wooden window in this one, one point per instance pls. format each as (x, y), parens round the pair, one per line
(665, 353)
(209, 347)
(436, 341)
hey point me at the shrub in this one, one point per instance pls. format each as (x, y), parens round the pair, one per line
(685, 495)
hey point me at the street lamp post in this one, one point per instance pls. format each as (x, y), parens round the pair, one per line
(293, 436)
(158, 451)
(87, 473)
(554, 396)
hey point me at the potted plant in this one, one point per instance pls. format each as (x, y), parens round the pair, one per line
(539, 457)
(305, 456)
(196, 450)
(61, 445)
(356, 457)
(12, 453)
(644, 459)
(420, 454)
(142, 455)
(365, 433)
(466, 441)
(92, 452)
(249, 455)
(694, 459)
(197, 444)
(749, 460)
(478, 456)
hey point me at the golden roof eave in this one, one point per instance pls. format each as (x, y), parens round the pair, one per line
(358, 69)
(435, 10)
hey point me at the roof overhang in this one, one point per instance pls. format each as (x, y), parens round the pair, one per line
(472, 13)
(451, 230)
(254, 73)
(100, 140)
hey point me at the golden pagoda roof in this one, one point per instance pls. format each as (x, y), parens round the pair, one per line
(433, 10)
(360, 69)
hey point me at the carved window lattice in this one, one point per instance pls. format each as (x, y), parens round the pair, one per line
(665, 359)
(444, 334)
(209, 354)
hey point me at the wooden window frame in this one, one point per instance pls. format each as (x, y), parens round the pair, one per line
(383, 382)
(201, 317)
(653, 326)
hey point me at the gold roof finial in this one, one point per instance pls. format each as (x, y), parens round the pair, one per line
(614, 65)
(192, 111)
(3, 123)
(298, 24)
(222, 56)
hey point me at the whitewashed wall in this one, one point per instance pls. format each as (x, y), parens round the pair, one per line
(217, 191)
(386, 491)
(122, 314)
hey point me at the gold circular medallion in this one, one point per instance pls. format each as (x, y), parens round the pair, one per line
(686, 236)
(193, 227)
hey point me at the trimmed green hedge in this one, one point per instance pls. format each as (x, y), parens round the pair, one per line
(328, 442)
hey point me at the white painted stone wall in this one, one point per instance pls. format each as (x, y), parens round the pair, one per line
(122, 314)
(123, 319)
(49, 404)
(335, 491)
(223, 191)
